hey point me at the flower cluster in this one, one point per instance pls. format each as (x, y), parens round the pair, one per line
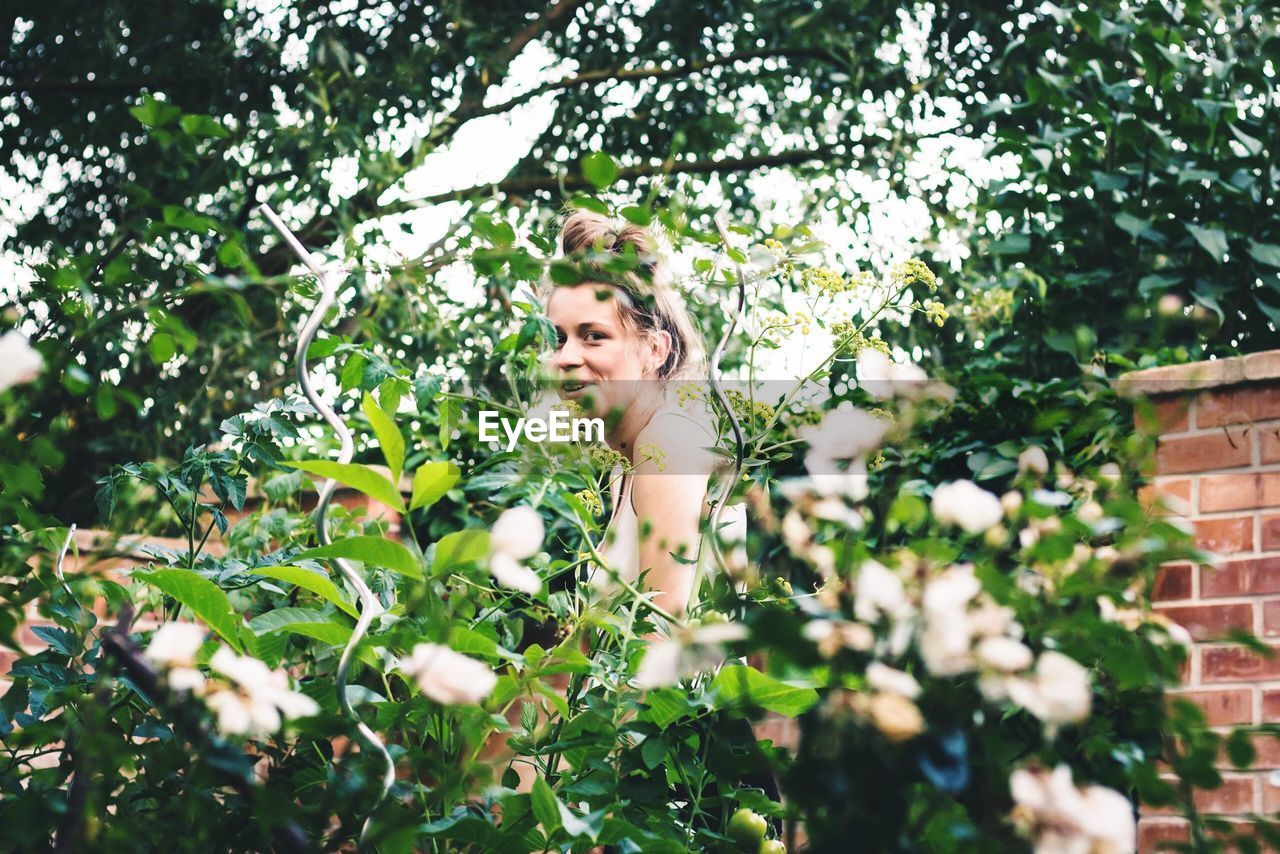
(934, 312)
(777, 325)
(591, 500)
(249, 699)
(824, 281)
(747, 409)
(912, 272)
(851, 341)
(1058, 816)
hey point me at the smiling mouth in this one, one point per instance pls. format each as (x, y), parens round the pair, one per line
(573, 389)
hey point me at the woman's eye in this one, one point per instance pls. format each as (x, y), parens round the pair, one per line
(595, 336)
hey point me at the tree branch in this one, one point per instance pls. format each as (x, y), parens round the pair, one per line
(651, 72)
(521, 186)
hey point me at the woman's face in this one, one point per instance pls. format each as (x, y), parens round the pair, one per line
(598, 358)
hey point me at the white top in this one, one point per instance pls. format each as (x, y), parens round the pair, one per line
(620, 545)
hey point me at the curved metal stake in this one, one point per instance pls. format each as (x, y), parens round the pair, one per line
(369, 604)
(739, 444)
(57, 568)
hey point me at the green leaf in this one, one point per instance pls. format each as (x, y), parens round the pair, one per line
(358, 477)
(375, 551)
(431, 481)
(546, 807)
(1213, 240)
(740, 683)
(155, 114)
(599, 169)
(205, 599)
(308, 580)
(1133, 225)
(162, 348)
(302, 621)
(460, 549)
(1240, 749)
(389, 438)
(1265, 253)
(1013, 244)
(205, 127)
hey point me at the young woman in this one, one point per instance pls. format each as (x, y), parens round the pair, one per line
(623, 343)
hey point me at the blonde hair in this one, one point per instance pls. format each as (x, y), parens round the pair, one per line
(646, 300)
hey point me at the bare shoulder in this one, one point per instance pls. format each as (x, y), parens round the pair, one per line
(677, 444)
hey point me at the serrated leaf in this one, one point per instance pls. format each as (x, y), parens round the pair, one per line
(738, 683)
(375, 551)
(308, 580)
(205, 599)
(370, 482)
(431, 481)
(389, 438)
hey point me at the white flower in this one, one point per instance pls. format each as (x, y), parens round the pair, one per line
(831, 636)
(846, 433)
(19, 361)
(883, 378)
(1003, 654)
(897, 718)
(966, 504)
(448, 677)
(879, 591)
(1033, 460)
(259, 699)
(174, 647)
(883, 678)
(516, 536)
(175, 644)
(686, 653)
(951, 591)
(1059, 692)
(1059, 817)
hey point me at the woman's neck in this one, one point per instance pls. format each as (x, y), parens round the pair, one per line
(622, 438)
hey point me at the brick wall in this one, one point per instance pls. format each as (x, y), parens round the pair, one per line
(1218, 466)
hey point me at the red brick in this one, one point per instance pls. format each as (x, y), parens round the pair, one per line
(1173, 581)
(1241, 577)
(1163, 414)
(1172, 495)
(1270, 532)
(1241, 405)
(1226, 536)
(1270, 800)
(1221, 449)
(1152, 832)
(1271, 707)
(1235, 795)
(1270, 438)
(1223, 708)
(1239, 491)
(1271, 618)
(1268, 750)
(1236, 664)
(1210, 622)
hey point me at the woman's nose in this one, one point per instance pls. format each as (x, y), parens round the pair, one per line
(569, 356)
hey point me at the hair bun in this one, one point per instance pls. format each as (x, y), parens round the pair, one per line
(584, 230)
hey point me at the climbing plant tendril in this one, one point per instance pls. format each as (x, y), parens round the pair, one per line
(328, 280)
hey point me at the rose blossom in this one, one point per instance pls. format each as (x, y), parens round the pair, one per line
(516, 536)
(966, 504)
(448, 677)
(19, 361)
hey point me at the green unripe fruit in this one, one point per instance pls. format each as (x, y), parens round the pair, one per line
(747, 828)
(771, 846)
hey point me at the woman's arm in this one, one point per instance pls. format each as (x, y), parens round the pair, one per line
(669, 507)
